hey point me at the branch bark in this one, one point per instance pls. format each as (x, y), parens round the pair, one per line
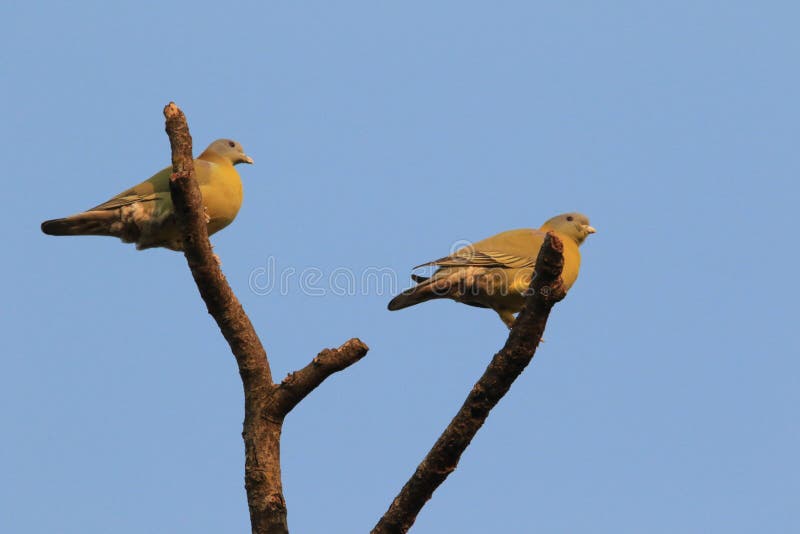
(297, 385)
(545, 290)
(266, 404)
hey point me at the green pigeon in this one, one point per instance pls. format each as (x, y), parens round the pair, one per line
(495, 272)
(144, 214)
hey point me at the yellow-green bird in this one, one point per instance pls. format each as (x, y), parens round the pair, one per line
(144, 213)
(495, 273)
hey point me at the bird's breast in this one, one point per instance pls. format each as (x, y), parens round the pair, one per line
(222, 197)
(572, 262)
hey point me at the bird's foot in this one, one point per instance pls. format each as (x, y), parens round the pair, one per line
(507, 318)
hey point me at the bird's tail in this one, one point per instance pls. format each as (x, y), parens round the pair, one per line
(424, 291)
(86, 223)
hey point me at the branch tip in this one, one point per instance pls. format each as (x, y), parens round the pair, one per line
(303, 381)
(172, 111)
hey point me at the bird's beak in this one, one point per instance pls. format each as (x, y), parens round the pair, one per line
(247, 159)
(589, 229)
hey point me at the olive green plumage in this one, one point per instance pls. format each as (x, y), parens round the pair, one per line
(144, 213)
(495, 272)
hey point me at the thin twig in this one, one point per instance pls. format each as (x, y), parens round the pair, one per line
(296, 386)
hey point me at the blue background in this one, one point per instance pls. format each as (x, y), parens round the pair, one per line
(665, 398)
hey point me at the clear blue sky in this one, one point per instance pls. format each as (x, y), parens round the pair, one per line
(666, 396)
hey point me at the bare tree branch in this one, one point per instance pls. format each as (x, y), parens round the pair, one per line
(545, 290)
(265, 403)
(296, 386)
(222, 304)
(261, 437)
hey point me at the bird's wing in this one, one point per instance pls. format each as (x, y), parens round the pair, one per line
(153, 189)
(126, 200)
(468, 257)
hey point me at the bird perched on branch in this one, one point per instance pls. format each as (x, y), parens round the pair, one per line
(496, 272)
(144, 213)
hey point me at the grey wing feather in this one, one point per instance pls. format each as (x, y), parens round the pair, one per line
(127, 200)
(483, 258)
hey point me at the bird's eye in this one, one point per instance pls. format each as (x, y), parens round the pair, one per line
(231, 144)
(570, 217)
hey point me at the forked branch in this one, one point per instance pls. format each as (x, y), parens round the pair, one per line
(265, 403)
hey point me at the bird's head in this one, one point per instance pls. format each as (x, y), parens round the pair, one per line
(230, 150)
(574, 225)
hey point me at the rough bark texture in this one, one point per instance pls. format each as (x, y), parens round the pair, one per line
(265, 403)
(545, 290)
(300, 383)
